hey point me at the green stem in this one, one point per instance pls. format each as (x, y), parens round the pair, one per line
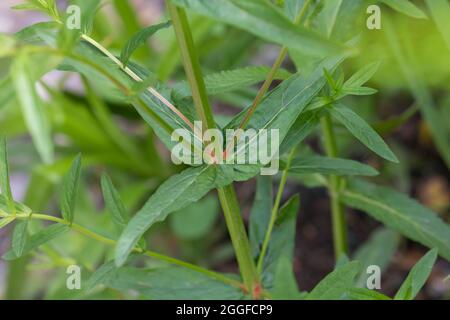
(97, 237)
(274, 214)
(239, 237)
(277, 64)
(227, 194)
(191, 64)
(337, 209)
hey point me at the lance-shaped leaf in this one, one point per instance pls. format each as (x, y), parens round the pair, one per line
(406, 7)
(114, 202)
(285, 283)
(366, 294)
(174, 194)
(260, 213)
(362, 76)
(325, 165)
(5, 186)
(282, 240)
(363, 132)
(32, 108)
(337, 284)
(263, 20)
(70, 190)
(5, 221)
(138, 39)
(399, 212)
(281, 108)
(38, 239)
(440, 11)
(378, 250)
(417, 277)
(19, 238)
(165, 283)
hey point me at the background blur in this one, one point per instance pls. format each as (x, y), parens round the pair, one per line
(199, 235)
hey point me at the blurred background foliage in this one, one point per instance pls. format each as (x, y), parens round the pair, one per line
(411, 110)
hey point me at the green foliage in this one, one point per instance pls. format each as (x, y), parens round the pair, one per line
(337, 284)
(4, 176)
(127, 107)
(400, 213)
(138, 39)
(265, 21)
(36, 116)
(70, 190)
(417, 277)
(378, 250)
(19, 238)
(38, 239)
(363, 132)
(406, 7)
(324, 165)
(114, 203)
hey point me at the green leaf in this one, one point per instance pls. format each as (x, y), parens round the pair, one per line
(363, 132)
(38, 239)
(360, 91)
(5, 221)
(400, 213)
(260, 213)
(5, 186)
(168, 283)
(406, 7)
(440, 11)
(32, 107)
(70, 189)
(175, 194)
(378, 250)
(88, 10)
(282, 241)
(417, 277)
(366, 294)
(138, 39)
(230, 80)
(335, 166)
(293, 7)
(281, 108)
(19, 238)
(285, 284)
(336, 284)
(362, 76)
(113, 202)
(196, 220)
(300, 130)
(263, 20)
(19, 207)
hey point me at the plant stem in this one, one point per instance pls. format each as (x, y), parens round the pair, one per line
(277, 64)
(97, 237)
(337, 209)
(191, 64)
(274, 214)
(227, 194)
(239, 237)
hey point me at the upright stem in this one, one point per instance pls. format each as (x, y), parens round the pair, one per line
(274, 213)
(239, 238)
(227, 194)
(191, 64)
(337, 210)
(277, 64)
